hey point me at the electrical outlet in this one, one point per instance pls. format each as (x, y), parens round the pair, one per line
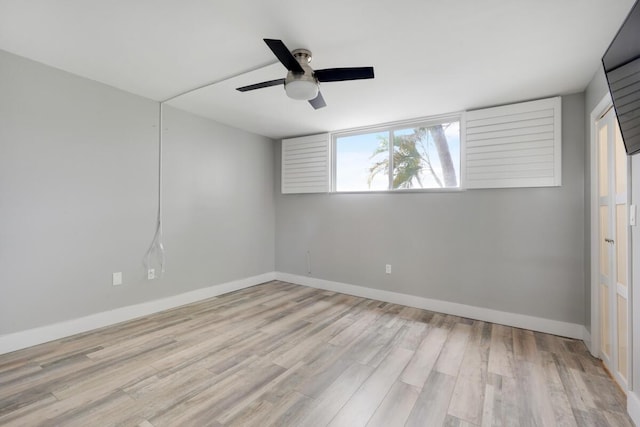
(117, 279)
(151, 274)
(387, 268)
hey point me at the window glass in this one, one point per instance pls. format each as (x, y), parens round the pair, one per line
(424, 156)
(360, 162)
(427, 157)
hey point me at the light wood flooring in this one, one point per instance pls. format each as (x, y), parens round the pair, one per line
(286, 355)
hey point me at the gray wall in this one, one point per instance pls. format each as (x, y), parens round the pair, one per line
(78, 182)
(78, 193)
(517, 250)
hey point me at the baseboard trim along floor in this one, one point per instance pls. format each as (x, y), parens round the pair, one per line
(555, 327)
(30, 337)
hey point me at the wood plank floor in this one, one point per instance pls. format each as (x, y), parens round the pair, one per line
(286, 355)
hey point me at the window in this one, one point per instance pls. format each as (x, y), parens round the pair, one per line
(509, 146)
(420, 155)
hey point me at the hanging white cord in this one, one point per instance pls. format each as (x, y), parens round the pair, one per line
(156, 244)
(224, 79)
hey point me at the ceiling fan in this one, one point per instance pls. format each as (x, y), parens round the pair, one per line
(302, 82)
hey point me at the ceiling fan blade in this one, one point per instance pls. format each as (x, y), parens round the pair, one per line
(341, 74)
(261, 85)
(318, 102)
(284, 55)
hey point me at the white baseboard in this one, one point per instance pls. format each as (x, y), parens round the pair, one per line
(633, 407)
(30, 337)
(555, 327)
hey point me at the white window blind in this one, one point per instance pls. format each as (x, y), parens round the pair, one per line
(306, 163)
(517, 145)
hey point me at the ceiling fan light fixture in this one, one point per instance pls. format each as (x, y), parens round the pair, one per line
(304, 90)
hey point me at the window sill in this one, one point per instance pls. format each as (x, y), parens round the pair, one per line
(408, 190)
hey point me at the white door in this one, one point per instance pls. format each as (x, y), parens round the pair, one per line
(613, 253)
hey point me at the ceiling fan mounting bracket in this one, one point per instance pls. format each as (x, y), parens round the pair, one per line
(302, 55)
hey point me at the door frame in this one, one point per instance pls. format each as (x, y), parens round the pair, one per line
(598, 111)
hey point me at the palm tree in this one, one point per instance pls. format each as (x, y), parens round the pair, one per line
(411, 158)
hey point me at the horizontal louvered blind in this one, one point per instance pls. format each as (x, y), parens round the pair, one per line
(306, 163)
(517, 145)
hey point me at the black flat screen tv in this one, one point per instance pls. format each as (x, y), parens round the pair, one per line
(621, 64)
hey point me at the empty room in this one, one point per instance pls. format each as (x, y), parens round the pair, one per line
(340, 213)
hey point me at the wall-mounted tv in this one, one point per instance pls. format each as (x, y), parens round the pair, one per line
(621, 64)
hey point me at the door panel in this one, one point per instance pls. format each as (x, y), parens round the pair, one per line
(621, 163)
(621, 244)
(622, 331)
(603, 160)
(604, 322)
(613, 248)
(604, 246)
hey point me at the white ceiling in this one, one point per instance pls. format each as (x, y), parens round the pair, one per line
(430, 57)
